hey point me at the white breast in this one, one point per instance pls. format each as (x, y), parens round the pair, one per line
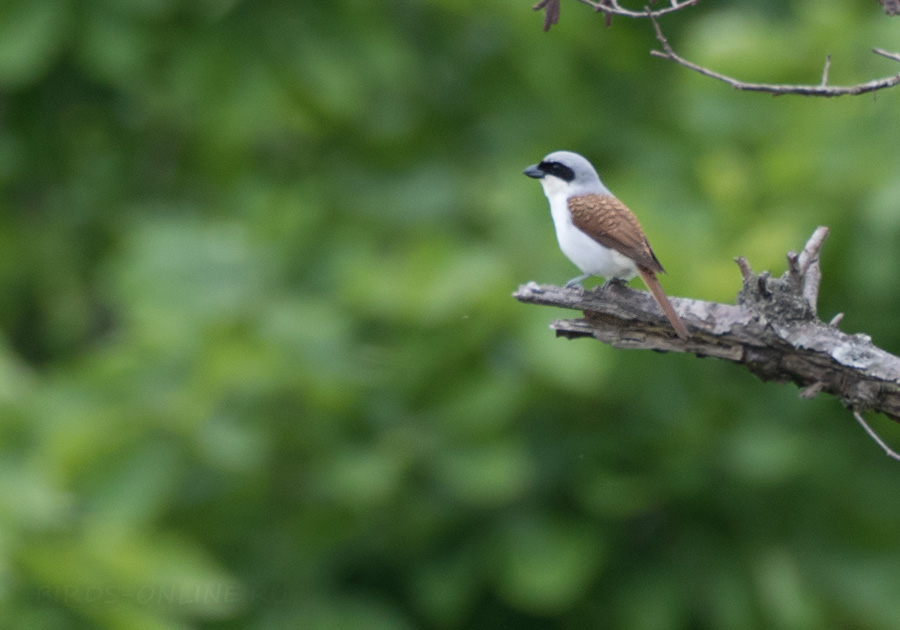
(587, 254)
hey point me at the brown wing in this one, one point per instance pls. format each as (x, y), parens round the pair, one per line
(609, 222)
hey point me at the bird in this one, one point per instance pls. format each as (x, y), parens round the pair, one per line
(595, 230)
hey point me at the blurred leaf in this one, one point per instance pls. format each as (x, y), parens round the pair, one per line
(259, 362)
(31, 34)
(547, 564)
(487, 474)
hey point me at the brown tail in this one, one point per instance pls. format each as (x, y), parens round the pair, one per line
(660, 296)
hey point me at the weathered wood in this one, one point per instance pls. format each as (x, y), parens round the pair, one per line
(773, 330)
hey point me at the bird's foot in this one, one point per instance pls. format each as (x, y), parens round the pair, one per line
(612, 281)
(576, 282)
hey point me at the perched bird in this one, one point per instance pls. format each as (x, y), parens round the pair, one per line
(595, 230)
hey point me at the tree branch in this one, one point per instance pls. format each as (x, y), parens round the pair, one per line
(772, 329)
(778, 89)
(608, 7)
(612, 7)
(865, 425)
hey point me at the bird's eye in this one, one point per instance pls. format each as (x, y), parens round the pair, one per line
(557, 170)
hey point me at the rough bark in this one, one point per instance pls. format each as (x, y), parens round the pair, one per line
(773, 330)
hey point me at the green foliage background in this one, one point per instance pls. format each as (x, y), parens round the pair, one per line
(259, 363)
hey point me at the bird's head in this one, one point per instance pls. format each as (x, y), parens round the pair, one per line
(567, 173)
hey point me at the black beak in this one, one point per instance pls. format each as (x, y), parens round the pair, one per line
(534, 171)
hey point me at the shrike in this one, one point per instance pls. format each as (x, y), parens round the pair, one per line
(595, 230)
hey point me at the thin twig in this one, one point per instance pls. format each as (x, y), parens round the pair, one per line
(773, 88)
(744, 266)
(887, 449)
(808, 267)
(612, 7)
(885, 53)
(825, 71)
(811, 391)
(812, 248)
(793, 260)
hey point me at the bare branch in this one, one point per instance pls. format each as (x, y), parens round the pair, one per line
(612, 7)
(772, 330)
(825, 71)
(822, 89)
(744, 266)
(891, 7)
(886, 53)
(887, 449)
(609, 8)
(808, 274)
(810, 253)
